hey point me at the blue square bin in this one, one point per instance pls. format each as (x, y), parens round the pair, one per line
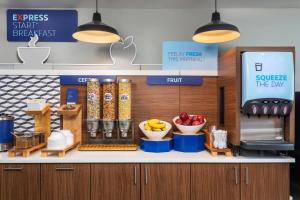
(164, 145)
(188, 143)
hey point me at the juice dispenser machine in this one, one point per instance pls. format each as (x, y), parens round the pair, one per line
(256, 98)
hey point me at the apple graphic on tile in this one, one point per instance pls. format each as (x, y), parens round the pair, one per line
(123, 53)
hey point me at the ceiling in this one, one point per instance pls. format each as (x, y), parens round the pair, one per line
(150, 4)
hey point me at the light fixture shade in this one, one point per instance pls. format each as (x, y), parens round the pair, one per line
(96, 32)
(216, 31)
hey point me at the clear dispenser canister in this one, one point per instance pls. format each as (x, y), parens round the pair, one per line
(124, 106)
(124, 99)
(109, 106)
(93, 106)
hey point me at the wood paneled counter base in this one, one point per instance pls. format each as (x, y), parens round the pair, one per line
(144, 181)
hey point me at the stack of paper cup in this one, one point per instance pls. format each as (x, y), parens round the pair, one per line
(220, 139)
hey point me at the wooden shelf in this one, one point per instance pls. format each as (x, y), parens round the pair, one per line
(38, 112)
(84, 70)
(63, 111)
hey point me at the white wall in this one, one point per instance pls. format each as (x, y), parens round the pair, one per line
(259, 27)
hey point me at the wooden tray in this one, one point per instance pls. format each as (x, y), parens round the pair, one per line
(60, 153)
(108, 147)
(25, 152)
(215, 152)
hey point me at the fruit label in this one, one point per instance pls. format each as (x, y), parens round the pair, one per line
(124, 97)
(108, 97)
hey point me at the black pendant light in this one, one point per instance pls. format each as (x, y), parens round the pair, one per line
(96, 31)
(216, 31)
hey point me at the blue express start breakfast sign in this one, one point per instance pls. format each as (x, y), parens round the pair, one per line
(49, 25)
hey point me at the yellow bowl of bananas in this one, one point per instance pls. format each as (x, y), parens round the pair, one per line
(155, 129)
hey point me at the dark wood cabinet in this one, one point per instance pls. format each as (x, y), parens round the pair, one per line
(215, 181)
(20, 181)
(115, 181)
(265, 181)
(65, 181)
(144, 181)
(165, 181)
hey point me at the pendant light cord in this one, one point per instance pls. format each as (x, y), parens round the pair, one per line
(96, 6)
(215, 5)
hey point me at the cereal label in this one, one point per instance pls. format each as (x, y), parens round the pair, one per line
(108, 97)
(124, 97)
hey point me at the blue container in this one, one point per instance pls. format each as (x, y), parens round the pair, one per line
(164, 145)
(6, 131)
(188, 143)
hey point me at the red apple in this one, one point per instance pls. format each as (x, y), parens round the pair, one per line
(196, 123)
(183, 116)
(187, 122)
(200, 118)
(178, 121)
(195, 118)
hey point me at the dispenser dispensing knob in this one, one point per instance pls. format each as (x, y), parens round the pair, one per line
(275, 110)
(254, 109)
(265, 109)
(285, 109)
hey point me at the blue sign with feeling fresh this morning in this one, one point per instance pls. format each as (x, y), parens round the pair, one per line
(49, 25)
(174, 80)
(190, 55)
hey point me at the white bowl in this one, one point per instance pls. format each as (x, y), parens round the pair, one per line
(153, 135)
(188, 129)
(33, 55)
(56, 141)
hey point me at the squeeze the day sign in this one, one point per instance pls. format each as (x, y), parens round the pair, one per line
(49, 25)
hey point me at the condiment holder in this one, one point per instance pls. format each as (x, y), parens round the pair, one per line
(216, 142)
(42, 127)
(220, 139)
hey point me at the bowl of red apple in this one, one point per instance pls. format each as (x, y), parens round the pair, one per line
(189, 124)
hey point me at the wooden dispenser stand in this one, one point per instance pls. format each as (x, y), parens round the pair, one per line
(42, 125)
(72, 120)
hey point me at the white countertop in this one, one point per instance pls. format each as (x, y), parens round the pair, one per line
(139, 156)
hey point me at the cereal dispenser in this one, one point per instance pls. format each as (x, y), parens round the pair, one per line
(124, 106)
(93, 106)
(109, 106)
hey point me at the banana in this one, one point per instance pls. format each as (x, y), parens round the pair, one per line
(158, 125)
(147, 127)
(156, 129)
(155, 125)
(153, 121)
